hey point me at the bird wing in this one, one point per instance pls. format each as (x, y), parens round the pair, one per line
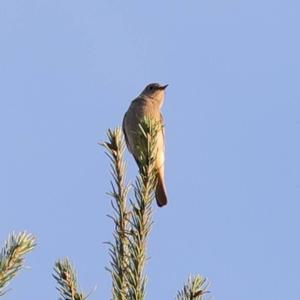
(162, 126)
(127, 140)
(124, 131)
(129, 114)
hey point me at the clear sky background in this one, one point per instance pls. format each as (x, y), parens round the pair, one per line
(68, 71)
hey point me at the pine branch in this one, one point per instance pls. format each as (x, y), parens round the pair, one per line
(12, 257)
(132, 227)
(119, 248)
(194, 289)
(66, 278)
(141, 219)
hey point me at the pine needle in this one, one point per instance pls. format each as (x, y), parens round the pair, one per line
(12, 257)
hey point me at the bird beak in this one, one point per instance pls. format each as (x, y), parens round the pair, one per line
(163, 87)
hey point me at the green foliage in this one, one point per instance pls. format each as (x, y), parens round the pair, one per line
(12, 257)
(66, 278)
(194, 289)
(133, 223)
(119, 248)
(141, 219)
(132, 226)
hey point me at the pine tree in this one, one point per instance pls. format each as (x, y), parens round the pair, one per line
(132, 224)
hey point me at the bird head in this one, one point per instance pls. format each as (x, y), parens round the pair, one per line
(155, 91)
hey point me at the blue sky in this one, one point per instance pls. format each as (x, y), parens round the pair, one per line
(68, 71)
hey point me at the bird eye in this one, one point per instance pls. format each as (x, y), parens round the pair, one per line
(150, 87)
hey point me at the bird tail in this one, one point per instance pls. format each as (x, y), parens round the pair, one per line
(160, 192)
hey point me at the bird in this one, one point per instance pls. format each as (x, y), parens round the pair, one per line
(148, 105)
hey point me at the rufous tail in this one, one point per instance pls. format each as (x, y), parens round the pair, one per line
(160, 193)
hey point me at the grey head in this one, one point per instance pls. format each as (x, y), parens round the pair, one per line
(154, 91)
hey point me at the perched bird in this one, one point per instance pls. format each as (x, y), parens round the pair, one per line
(148, 104)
